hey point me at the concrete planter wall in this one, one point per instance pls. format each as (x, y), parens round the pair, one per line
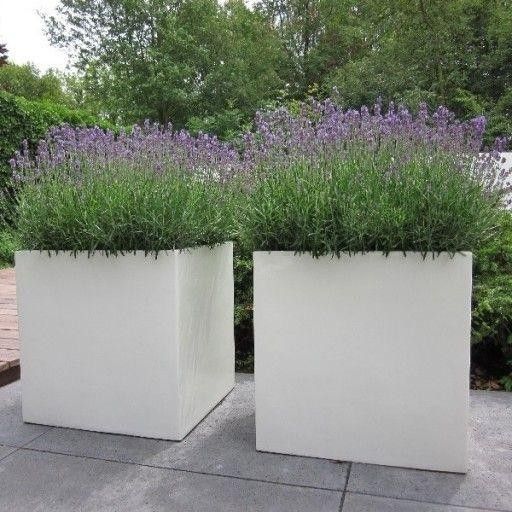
(364, 358)
(128, 344)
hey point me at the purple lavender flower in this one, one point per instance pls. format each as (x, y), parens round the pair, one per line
(319, 132)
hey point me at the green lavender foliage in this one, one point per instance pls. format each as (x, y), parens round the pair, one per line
(119, 211)
(359, 203)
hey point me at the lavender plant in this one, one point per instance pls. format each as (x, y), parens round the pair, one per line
(330, 181)
(150, 190)
(152, 148)
(321, 179)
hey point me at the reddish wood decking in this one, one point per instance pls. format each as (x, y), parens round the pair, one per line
(9, 341)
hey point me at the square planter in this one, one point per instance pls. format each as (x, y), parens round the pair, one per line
(126, 344)
(364, 358)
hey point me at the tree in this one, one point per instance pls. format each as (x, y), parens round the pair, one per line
(457, 53)
(319, 35)
(3, 55)
(248, 59)
(26, 81)
(162, 59)
(210, 65)
(298, 23)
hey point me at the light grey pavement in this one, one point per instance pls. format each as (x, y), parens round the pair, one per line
(216, 468)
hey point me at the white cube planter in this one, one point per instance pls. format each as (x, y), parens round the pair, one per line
(126, 344)
(364, 358)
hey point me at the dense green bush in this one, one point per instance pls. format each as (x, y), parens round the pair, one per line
(492, 305)
(8, 245)
(21, 119)
(244, 335)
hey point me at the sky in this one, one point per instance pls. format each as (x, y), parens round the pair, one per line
(21, 29)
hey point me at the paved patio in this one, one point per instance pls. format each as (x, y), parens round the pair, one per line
(216, 468)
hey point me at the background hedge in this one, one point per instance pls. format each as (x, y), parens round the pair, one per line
(21, 119)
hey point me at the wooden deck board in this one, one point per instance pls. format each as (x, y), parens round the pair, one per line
(9, 338)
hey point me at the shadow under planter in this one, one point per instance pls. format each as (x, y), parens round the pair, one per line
(88, 323)
(364, 357)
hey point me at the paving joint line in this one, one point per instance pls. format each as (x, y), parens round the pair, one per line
(8, 454)
(342, 501)
(19, 447)
(23, 446)
(181, 470)
(426, 502)
(344, 491)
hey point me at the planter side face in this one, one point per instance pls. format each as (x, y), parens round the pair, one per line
(205, 331)
(364, 358)
(99, 341)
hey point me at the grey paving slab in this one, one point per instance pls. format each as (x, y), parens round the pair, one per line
(364, 503)
(224, 443)
(101, 446)
(38, 481)
(13, 432)
(5, 450)
(488, 483)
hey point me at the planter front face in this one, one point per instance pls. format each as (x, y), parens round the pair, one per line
(128, 344)
(364, 358)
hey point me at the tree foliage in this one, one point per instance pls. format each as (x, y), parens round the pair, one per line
(456, 53)
(3, 55)
(26, 81)
(209, 65)
(170, 60)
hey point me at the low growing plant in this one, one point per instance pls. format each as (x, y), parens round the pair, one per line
(492, 306)
(330, 181)
(89, 190)
(8, 246)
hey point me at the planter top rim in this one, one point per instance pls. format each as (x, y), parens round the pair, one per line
(119, 252)
(428, 255)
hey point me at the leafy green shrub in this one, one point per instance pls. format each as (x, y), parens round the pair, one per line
(244, 337)
(492, 304)
(21, 119)
(227, 124)
(8, 245)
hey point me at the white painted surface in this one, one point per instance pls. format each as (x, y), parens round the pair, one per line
(506, 162)
(129, 344)
(364, 358)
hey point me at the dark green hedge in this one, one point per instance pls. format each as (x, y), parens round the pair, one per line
(492, 306)
(22, 119)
